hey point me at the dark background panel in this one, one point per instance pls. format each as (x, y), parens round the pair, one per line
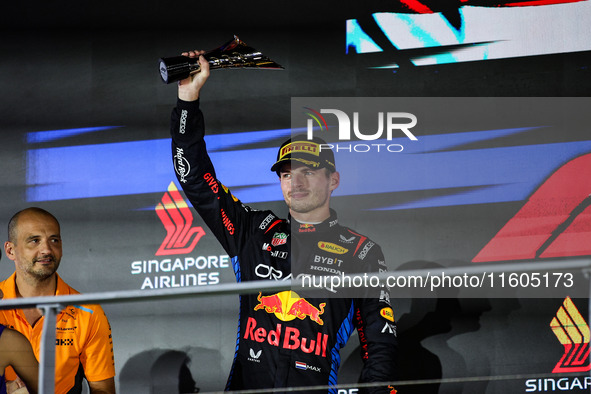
(73, 64)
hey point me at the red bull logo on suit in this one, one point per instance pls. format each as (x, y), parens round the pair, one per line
(287, 306)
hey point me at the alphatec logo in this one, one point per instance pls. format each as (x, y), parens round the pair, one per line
(176, 216)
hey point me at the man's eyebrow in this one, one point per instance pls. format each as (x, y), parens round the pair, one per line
(30, 237)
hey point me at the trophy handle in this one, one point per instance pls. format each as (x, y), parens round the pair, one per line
(233, 54)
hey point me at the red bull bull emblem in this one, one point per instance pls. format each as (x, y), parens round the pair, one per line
(306, 228)
(302, 308)
(288, 306)
(271, 304)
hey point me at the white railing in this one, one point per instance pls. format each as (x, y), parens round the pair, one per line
(52, 306)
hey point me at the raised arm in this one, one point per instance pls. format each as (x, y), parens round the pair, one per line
(190, 88)
(227, 218)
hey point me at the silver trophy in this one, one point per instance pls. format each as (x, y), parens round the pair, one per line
(233, 54)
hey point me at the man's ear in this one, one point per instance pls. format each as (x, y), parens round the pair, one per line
(9, 250)
(335, 180)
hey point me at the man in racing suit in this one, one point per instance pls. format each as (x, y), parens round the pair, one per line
(284, 339)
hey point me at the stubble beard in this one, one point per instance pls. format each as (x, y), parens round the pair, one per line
(41, 273)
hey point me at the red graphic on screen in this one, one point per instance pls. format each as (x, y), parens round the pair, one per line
(177, 219)
(554, 222)
(450, 9)
(431, 6)
(572, 331)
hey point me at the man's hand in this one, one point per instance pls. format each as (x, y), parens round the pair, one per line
(16, 387)
(189, 88)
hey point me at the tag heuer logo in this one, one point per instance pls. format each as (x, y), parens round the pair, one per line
(279, 239)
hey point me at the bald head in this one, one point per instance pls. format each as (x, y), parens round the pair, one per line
(28, 212)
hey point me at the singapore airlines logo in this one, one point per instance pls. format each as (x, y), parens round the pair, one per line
(177, 219)
(572, 331)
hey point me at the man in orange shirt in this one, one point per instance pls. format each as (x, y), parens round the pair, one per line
(84, 346)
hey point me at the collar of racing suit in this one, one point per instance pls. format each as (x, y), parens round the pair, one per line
(298, 227)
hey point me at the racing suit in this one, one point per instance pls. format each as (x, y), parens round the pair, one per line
(283, 339)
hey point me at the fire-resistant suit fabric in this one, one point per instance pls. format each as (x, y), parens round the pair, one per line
(285, 339)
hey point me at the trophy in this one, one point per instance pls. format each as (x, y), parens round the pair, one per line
(233, 54)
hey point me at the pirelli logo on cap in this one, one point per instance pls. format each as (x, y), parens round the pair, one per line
(311, 148)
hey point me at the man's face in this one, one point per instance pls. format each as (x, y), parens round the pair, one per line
(307, 190)
(37, 248)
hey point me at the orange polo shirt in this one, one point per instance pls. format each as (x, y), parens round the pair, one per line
(83, 337)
